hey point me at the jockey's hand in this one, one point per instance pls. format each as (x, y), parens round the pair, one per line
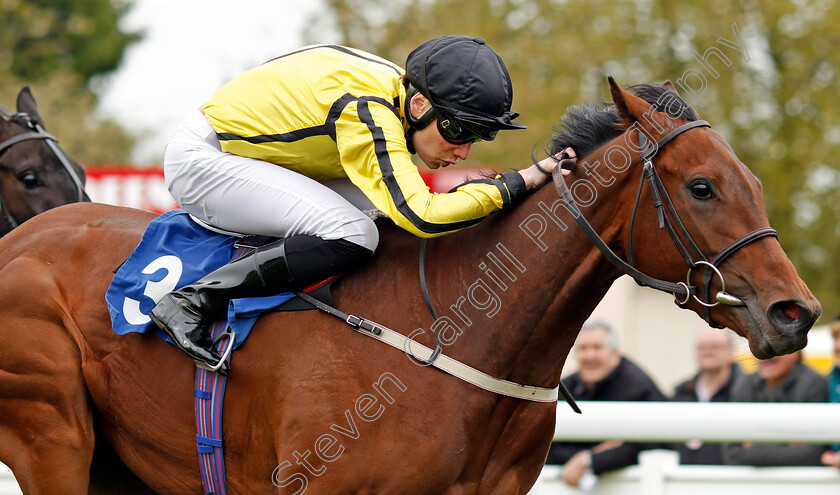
(568, 160)
(540, 172)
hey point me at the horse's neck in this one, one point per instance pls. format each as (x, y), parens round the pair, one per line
(526, 293)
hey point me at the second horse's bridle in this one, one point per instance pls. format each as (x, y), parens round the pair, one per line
(37, 132)
(683, 292)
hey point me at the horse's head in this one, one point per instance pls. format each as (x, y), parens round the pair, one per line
(35, 175)
(710, 217)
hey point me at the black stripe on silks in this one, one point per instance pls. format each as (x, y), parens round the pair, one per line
(502, 190)
(510, 185)
(516, 187)
(338, 107)
(335, 112)
(341, 49)
(327, 128)
(385, 103)
(387, 171)
(286, 137)
(349, 52)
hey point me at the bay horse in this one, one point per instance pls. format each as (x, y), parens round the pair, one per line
(35, 173)
(313, 406)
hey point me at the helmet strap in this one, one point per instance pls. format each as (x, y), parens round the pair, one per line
(409, 140)
(425, 119)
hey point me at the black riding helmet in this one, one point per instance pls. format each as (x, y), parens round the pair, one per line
(466, 83)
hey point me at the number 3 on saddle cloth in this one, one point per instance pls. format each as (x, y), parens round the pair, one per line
(176, 251)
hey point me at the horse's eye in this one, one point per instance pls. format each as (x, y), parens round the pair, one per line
(701, 189)
(29, 179)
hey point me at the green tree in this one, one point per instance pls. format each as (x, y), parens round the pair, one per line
(41, 37)
(58, 48)
(775, 103)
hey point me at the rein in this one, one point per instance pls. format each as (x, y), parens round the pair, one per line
(683, 292)
(37, 132)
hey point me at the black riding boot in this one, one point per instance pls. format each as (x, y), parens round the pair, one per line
(187, 313)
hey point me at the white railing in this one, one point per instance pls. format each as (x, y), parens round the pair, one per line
(706, 421)
(659, 472)
(8, 484)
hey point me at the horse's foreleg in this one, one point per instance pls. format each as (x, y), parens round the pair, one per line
(46, 425)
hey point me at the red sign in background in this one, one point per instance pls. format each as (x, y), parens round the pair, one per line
(145, 188)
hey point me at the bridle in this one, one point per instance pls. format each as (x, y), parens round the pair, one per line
(37, 132)
(683, 292)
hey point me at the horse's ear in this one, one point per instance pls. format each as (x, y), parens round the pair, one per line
(629, 106)
(26, 104)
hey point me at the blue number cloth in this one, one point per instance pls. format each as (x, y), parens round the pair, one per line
(175, 251)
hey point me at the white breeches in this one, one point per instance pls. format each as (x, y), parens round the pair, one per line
(251, 196)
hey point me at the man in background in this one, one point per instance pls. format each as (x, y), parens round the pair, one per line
(778, 379)
(713, 382)
(832, 457)
(604, 374)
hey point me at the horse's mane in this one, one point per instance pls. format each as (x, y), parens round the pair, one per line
(587, 126)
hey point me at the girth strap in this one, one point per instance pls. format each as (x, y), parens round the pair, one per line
(567, 396)
(443, 362)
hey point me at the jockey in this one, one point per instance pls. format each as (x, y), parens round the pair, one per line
(253, 160)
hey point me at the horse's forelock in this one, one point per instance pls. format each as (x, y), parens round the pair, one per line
(587, 126)
(674, 105)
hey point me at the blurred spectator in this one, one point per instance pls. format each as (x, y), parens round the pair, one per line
(717, 372)
(603, 375)
(832, 457)
(779, 379)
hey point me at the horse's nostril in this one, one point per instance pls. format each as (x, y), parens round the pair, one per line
(790, 315)
(792, 311)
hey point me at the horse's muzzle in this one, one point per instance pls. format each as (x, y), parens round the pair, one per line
(792, 319)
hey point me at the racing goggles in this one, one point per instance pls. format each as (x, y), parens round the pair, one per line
(461, 132)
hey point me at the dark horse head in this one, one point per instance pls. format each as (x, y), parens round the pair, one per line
(35, 174)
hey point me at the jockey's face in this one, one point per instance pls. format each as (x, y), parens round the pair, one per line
(432, 148)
